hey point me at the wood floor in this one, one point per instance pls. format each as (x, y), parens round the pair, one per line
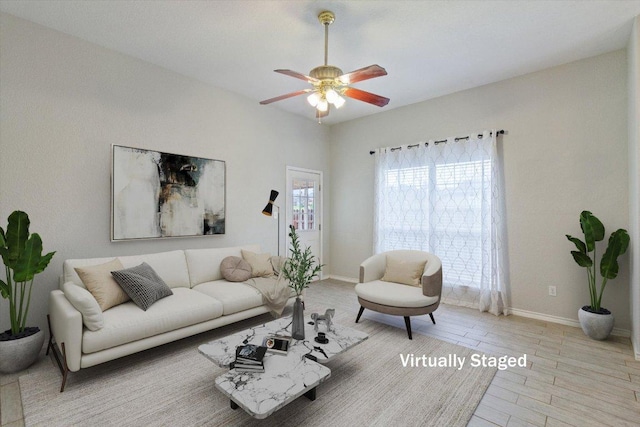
(570, 379)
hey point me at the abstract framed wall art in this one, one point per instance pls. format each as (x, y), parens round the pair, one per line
(157, 195)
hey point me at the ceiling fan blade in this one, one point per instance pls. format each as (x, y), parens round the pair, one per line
(297, 75)
(366, 73)
(288, 95)
(369, 97)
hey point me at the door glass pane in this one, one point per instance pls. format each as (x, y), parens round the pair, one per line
(303, 204)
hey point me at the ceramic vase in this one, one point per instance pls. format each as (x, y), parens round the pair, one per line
(297, 328)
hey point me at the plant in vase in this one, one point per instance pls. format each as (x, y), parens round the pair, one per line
(299, 269)
(22, 257)
(596, 321)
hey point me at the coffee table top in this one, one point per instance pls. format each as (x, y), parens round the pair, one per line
(286, 377)
(223, 351)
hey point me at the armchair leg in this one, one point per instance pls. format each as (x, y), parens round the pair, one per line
(359, 313)
(61, 360)
(407, 322)
(432, 319)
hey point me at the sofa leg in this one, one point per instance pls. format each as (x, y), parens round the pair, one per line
(62, 364)
(359, 313)
(407, 322)
(432, 319)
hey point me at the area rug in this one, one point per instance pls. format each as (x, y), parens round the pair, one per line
(173, 385)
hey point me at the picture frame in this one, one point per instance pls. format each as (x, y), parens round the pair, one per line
(155, 194)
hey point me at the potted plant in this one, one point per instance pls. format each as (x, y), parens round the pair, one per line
(596, 321)
(22, 257)
(300, 269)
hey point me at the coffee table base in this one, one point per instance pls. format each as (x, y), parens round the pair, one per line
(311, 395)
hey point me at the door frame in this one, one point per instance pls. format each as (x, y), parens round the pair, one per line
(318, 216)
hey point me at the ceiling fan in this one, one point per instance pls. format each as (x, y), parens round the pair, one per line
(330, 83)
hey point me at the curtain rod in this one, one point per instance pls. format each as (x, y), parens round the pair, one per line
(498, 132)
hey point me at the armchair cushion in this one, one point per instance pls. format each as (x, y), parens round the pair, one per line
(235, 269)
(399, 270)
(394, 294)
(142, 284)
(82, 300)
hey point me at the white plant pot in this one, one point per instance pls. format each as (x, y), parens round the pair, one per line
(594, 325)
(16, 355)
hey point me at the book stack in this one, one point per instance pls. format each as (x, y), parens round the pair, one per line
(249, 358)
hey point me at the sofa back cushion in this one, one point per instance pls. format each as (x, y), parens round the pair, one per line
(204, 264)
(170, 266)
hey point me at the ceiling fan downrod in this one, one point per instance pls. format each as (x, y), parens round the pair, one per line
(326, 18)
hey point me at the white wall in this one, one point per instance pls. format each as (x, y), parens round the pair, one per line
(565, 151)
(634, 180)
(64, 101)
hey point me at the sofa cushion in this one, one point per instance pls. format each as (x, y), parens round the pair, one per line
(86, 304)
(127, 323)
(393, 294)
(235, 269)
(97, 279)
(260, 263)
(142, 284)
(170, 266)
(204, 264)
(399, 270)
(234, 297)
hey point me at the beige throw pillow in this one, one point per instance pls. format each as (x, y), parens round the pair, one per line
(405, 272)
(98, 280)
(260, 263)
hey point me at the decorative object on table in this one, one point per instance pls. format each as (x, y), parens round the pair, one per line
(268, 211)
(277, 344)
(249, 358)
(322, 338)
(596, 321)
(323, 318)
(22, 256)
(156, 194)
(300, 269)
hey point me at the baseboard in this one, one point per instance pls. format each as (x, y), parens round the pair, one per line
(636, 347)
(343, 278)
(564, 321)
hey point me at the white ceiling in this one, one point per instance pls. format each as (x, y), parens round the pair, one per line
(429, 48)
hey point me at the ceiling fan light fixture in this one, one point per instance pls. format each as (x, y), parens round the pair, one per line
(313, 99)
(331, 96)
(323, 105)
(339, 101)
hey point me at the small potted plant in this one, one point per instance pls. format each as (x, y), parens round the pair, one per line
(22, 257)
(596, 321)
(300, 269)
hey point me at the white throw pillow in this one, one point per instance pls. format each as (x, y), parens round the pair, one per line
(86, 304)
(260, 263)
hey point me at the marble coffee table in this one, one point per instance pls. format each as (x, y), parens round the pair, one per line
(286, 377)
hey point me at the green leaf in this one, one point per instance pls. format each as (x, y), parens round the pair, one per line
(27, 264)
(592, 228)
(5, 290)
(16, 237)
(582, 259)
(579, 243)
(618, 244)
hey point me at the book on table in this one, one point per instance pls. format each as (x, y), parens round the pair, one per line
(249, 358)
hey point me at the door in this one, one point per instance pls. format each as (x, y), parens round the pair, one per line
(304, 208)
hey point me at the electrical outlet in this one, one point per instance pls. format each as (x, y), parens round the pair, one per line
(552, 291)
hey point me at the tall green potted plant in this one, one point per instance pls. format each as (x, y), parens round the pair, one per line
(22, 257)
(596, 321)
(300, 269)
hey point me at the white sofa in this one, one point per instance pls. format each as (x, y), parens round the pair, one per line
(201, 300)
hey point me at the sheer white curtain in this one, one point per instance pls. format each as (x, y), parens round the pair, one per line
(448, 199)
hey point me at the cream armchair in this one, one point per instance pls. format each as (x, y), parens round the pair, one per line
(395, 283)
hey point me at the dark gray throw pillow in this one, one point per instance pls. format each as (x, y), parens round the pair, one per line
(142, 284)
